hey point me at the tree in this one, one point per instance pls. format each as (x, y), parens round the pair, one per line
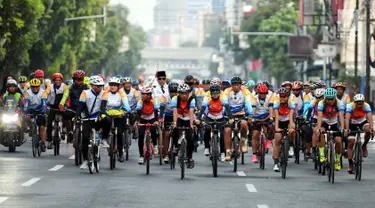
(18, 32)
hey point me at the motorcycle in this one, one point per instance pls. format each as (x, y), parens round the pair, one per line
(11, 131)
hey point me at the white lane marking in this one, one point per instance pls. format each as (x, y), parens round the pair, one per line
(241, 173)
(3, 199)
(72, 157)
(56, 168)
(262, 206)
(251, 188)
(30, 182)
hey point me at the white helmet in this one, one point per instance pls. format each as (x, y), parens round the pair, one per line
(359, 97)
(96, 80)
(115, 80)
(11, 82)
(147, 90)
(183, 88)
(215, 81)
(126, 79)
(319, 92)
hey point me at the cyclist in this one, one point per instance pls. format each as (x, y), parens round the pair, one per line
(23, 85)
(341, 95)
(166, 112)
(183, 115)
(135, 84)
(287, 85)
(131, 93)
(36, 101)
(45, 84)
(226, 84)
(194, 92)
(250, 86)
(284, 111)
(114, 103)
(54, 97)
(239, 100)
(331, 114)
(216, 104)
(206, 85)
(358, 115)
(311, 113)
(71, 100)
(89, 104)
(307, 90)
(263, 108)
(147, 112)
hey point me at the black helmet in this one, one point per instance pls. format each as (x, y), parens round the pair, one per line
(206, 81)
(215, 88)
(172, 87)
(236, 80)
(189, 79)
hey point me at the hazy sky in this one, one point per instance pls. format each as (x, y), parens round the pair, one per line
(141, 12)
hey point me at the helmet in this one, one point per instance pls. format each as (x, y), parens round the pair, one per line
(319, 92)
(119, 76)
(215, 80)
(78, 74)
(189, 79)
(135, 82)
(286, 83)
(226, 82)
(39, 73)
(307, 83)
(114, 80)
(262, 88)
(172, 87)
(35, 82)
(86, 80)
(147, 90)
(57, 75)
(284, 91)
(236, 80)
(215, 88)
(357, 97)
(313, 86)
(96, 80)
(339, 84)
(330, 93)
(296, 85)
(12, 82)
(321, 84)
(32, 75)
(102, 76)
(183, 88)
(250, 84)
(206, 81)
(22, 79)
(126, 80)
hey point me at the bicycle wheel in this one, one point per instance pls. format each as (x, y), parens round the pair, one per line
(333, 161)
(33, 145)
(262, 148)
(112, 158)
(182, 158)
(76, 149)
(56, 141)
(39, 146)
(284, 158)
(127, 144)
(160, 148)
(360, 156)
(90, 158)
(297, 147)
(235, 153)
(148, 155)
(215, 155)
(96, 158)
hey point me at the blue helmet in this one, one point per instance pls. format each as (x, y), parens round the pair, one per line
(250, 84)
(330, 93)
(135, 82)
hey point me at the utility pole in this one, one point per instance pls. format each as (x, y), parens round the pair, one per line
(368, 38)
(356, 40)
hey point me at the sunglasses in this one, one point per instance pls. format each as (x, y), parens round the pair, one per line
(330, 99)
(295, 89)
(34, 86)
(215, 93)
(114, 85)
(359, 102)
(283, 96)
(39, 77)
(78, 79)
(161, 78)
(263, 93)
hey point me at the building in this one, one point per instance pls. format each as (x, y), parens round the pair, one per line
(218, 6)
(194, 6)
(169, 13)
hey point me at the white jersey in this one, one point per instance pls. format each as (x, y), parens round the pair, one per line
(92, 101)
(262, 106)
(54, 92)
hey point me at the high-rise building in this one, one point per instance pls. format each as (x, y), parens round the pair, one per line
(169, 13)
(194, 7)
(218, 6)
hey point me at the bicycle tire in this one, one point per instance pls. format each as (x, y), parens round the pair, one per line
(96, 158)
(235, 153)
(160, 148)
(297, 147)
(215, 154)
(39, 147)
(33, 146)
(360, 162)
(127, 144)
(90, 159)
(284, 158)
(148, 155)
(56, 143)
(76, 149)
(112, 152)
(182, 158)
(263, 153)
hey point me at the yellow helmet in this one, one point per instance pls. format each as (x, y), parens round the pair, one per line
(35, 82)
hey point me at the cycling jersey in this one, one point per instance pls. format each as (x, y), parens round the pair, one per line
(147, 109)
(306, 103)
(35, 102)
(183, 107)
(239, 101)
(215, 108)
(166, 102)
(299, 104)
(92, 102)
(262, 106)
(23, 89)
(330, 113)
(56, 94)
(44, 85)
(133, 97)
(115, 103)
(283, 110)
(17, 96)
(313, 105)
(358, 115)
(71, 95)
(345, 99)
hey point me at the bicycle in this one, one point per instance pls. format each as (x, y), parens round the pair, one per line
(36, 141)
(214, 144)
(330, 154)
(298, 140)
(147, 147)
(262, 142)
(57, 128)
(182, 151)
(77, 141)
(112, 150)
(93, 155)
(236, 140)
(358, 155)
(284, 147)
(127, 136)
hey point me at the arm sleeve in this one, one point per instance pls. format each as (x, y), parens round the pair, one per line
(125, 101)
(66, 94)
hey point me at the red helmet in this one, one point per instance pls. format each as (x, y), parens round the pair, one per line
(262, 88)
(39, 73)
(296, 85)
(57, 75)
(79, 74)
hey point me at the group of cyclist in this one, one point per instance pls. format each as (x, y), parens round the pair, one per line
(191, 104)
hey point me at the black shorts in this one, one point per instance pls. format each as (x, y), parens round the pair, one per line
(40, 120)
(334, 127)
(257, 126)
(283, 124)
(168, 120)
(241, 117)
(354, 127)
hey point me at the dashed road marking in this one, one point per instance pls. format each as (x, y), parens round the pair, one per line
(262, 206)
(3, 199)
(241, 173)
(30, 182)
(72, 157)
(251, 188)
(56, 168)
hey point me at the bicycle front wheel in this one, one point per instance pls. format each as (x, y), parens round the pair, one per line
(235, 153)
(182, 158)
(215, 155)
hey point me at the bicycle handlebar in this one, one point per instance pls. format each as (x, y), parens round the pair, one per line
(148, 125)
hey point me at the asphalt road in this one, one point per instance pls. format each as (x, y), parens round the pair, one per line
(54, 181)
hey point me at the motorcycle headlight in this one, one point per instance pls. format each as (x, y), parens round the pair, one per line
(10, 118)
